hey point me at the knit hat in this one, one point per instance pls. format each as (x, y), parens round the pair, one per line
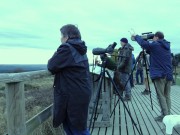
(124, 40)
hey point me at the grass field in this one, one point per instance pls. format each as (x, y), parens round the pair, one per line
(38, 95)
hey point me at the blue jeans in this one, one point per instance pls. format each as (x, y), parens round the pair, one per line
(124, 78)
(73, 131)
(139, 72)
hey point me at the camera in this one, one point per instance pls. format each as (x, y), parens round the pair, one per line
(109, 49)
(146, 36)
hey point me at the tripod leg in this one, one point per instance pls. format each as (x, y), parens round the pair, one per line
(123, 102)
(145, 61)
(121, 93)
(96, 102)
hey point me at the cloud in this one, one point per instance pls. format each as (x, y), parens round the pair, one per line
(17, 35)
(36, 24)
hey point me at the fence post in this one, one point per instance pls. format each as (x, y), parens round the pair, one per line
(15, 105)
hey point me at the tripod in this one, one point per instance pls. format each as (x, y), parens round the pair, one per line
(145, 62)
(102, 77)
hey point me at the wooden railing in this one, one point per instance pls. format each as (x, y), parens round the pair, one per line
(15, 103)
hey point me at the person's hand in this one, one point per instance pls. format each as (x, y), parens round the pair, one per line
(97, 62)
(133, 34)
(133, 37)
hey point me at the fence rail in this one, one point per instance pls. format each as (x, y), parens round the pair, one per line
(25, 76)
(15, 103)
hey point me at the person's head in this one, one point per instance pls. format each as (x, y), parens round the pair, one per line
(69, 31)
(123, 41)
(158, 35)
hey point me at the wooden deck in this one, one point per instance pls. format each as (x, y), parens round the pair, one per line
(142, 113)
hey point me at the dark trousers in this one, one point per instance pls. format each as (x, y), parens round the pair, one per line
(139, 72)
(132, 80)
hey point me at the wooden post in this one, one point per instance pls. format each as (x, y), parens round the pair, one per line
(15, 104)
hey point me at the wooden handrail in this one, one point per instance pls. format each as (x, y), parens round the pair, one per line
(38, 119)
(15, 102)
(25, 76)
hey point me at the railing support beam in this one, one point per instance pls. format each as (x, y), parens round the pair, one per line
(15, 105)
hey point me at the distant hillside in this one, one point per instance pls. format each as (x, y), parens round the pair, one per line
(14, 68)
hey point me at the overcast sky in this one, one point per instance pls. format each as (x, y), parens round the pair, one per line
(29, 29)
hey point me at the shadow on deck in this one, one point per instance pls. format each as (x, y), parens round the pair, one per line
(142, 113)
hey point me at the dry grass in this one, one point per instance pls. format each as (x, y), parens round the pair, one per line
(38, 95)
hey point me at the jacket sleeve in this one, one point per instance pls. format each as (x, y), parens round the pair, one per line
(133, 59)
(122, 64)
(60, 59)
(144, 44)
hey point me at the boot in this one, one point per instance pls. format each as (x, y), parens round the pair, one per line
(159, 118)
(145, 92)
(127, 98)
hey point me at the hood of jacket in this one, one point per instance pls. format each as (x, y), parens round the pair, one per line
(79, 45)
(165, 44)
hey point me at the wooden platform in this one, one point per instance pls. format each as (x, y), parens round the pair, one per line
(142, 113)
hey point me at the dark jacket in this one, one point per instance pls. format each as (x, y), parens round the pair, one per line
(139, 61)
(72, 90)
(133, 61)
(160, 58)
(125, 59)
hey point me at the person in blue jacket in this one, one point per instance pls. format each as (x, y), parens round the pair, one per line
(72, 88)
(160, 69)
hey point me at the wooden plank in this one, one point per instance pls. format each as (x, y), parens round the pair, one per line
(102, 131)
(129, 121)
(38, 119)
(156, 109)
(135, 115)
(133, 126)
(96, 127)
(123, 119)
(25, 76)
(116, 119)
(15, 105)
(140, 104)
(99, 110)
(149, 116)
(148, 129)
(101, 124)
(110, 130)
(106, 103)
(141, 123)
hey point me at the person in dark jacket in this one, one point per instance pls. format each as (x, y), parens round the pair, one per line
(160, 69)
(72, 89)
(124, 66)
